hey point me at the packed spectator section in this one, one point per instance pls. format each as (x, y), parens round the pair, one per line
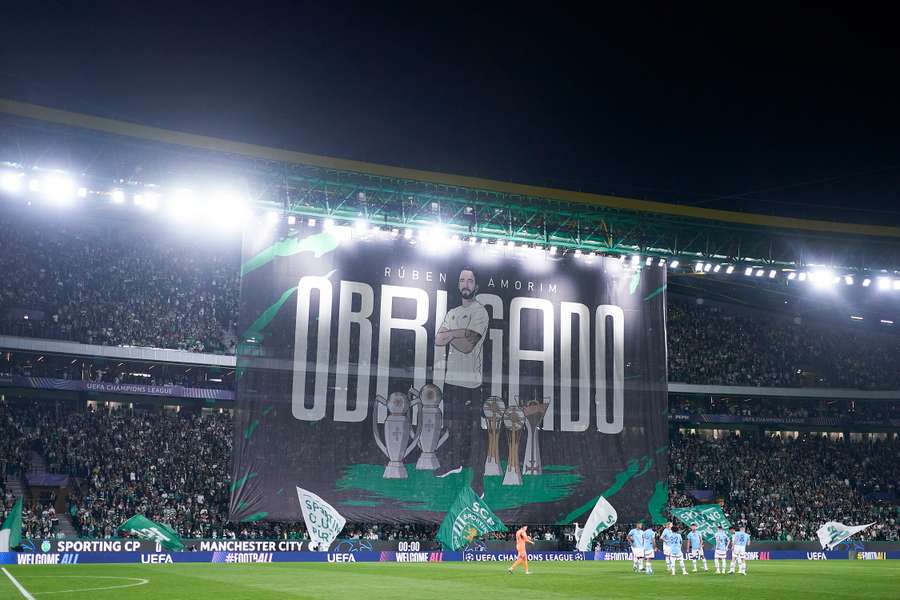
(175, 469)
(120, 283)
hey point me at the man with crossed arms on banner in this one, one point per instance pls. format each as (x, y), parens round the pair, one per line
(463, 332)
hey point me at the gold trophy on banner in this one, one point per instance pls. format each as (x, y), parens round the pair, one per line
(493, 409)
(534, 414)
(514, 421)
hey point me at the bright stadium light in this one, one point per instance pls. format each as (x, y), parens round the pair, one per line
(577, 252)
(802, 276)
(34, 185)
(118, 197)
(407, 233)
(886, 322)
(717, 268)
(82, 192)
(792, 276)
(674, 264)
(748, 271)
(856, 317)
(698, 267)
(147, 201)
(772, 273)
(310, 221)
(328, 224)
(553, 250)
(361, 226)
(866, 282)
(230, 209)
(635, 259)
(897, 284)
(11, 183)
(729, 269)
(760, 273)
(884, 283)
(292, 220)
(649, 261)
(848, 279)
(58, 188)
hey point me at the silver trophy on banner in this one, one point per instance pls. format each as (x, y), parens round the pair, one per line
(397, 431)
(493, 409)
(513, 420)
(431, 424)
(534, 413)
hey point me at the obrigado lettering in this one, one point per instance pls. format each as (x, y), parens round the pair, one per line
(598, 374)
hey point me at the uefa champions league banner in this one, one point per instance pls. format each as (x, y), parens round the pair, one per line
(383, 376)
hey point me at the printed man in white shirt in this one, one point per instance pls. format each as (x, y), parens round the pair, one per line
(462, 333)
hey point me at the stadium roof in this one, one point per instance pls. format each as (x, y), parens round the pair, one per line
(307, 184)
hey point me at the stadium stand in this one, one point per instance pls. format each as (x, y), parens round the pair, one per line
(175, 469)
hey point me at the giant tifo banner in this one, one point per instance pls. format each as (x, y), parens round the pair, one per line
(384, 374)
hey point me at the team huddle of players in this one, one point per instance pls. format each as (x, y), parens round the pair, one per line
(643, 549)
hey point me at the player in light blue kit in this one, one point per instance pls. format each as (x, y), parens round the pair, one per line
(739, 551)
(636, 541)
(721, 550)
(666, 538)
(649, 549)
(696, 543)
(676, 550)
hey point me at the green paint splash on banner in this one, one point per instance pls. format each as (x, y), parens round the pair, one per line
(633, 469)
(635, 282)
(422, 491)
(656, 292)
(255, 517)
(657, 503)
(319, 244)
(268, 409)
(255, 330)
(240, 482)
(249, 431)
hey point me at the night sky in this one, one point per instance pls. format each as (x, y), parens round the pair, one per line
(791, 113)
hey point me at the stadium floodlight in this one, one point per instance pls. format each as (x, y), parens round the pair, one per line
(856, 317)
(792, 276)
(34, 185)
(717, 268)
(472, 240)
(760, 273)
(674, 264)
(635, 259)
(311, 221)
(698, 267)
(553, 250)
(328, 224)
(772, 273)
(748, 271)
(577, 252)
(802, 276)
(361, 226)
(272, 217)
(150, 201)
(292, 220)
(118, 196)
(897, 284)
(82, 192)
(407, 233)
(707, 267)
(484, 241)
(884, 283)
(886, 322)
(230, 209)
(649, 261)
(866, 282)
(58, 188)
(11, 183)
(848, 279)
(661, 262)
(511, 243)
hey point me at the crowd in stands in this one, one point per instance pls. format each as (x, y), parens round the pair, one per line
(714, 346)
(175, 469)
(116, 284)
(874, 411)
(111, 283)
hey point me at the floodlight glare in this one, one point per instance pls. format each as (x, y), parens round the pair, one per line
(11, 183)
(328, 224)
(748, 271)
(674, 264)
(729, 270)
(866, 282)
(58, 188)
(118, 196)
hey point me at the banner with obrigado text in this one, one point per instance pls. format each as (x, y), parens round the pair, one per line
(387, 372)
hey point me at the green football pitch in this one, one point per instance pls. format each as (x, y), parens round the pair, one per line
(792, 580)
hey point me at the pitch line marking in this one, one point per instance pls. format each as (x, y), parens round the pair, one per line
(18, 585)
(140, 581)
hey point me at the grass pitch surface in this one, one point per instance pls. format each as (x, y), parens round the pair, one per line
(792, 580)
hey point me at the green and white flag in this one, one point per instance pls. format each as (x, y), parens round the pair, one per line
(11, 531)
(707, 517)
(323, 521)
(468, 518)
(833, 533)
(146, 529)
(602, 517)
